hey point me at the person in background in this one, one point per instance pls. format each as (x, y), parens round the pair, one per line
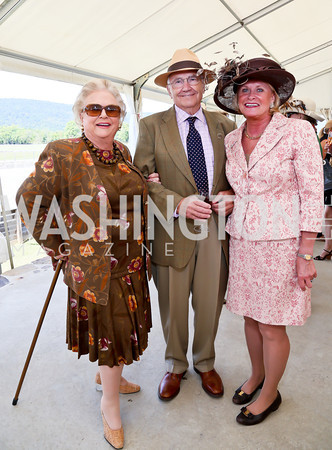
(325, 137)
(108, 312)
(185, 146)
(274, 167)
(304, 109)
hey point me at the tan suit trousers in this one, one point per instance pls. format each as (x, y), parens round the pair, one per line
(205, 276)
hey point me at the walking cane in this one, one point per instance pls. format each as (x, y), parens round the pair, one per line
(40, 323)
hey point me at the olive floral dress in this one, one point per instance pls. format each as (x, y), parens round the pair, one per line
(117, 332)
(108, 313)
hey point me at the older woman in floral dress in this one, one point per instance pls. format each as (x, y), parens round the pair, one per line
(88, 215)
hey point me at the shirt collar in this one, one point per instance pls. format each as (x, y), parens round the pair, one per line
(182, 116)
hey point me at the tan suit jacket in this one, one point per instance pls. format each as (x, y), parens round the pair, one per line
(159, 149)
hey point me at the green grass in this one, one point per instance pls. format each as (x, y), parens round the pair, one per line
(19, 152)
(18, 156)
(23, 254)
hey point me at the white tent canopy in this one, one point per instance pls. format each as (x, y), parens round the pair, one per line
(130, 42)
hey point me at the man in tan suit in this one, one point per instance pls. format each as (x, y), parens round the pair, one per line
(185, 145)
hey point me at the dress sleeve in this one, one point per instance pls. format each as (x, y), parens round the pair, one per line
(40, 193)
(125, 151)
(309, 172)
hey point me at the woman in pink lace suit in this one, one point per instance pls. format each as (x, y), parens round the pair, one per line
(274, 167)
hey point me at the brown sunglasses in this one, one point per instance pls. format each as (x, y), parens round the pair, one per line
(95, 110)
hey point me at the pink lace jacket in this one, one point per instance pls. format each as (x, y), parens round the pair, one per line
(279, 193)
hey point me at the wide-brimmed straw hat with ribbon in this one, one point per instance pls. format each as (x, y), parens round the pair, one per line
(325, 129)
(234, 74)
(304, 106)
(182, 61)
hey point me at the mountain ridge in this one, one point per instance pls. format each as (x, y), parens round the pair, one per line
(35, 114)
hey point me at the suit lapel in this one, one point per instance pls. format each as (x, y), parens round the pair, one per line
(272, 135)
(235, 149)
(173, 144)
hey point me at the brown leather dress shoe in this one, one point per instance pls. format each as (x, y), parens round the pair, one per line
(211, 383)
(169, 386)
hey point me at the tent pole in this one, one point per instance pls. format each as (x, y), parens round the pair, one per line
(3, 212)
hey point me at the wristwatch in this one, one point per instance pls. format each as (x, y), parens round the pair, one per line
(306, 257)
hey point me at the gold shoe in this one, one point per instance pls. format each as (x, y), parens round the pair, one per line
(129, 388)
(114, 437)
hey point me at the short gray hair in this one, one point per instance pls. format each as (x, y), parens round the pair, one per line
(92, 86)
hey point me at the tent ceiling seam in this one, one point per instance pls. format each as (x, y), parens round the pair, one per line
(7, 8)
(247, 21)
(315, 75)
(128, 31)
(260, 13)
(227, 31)
(210, 40)
(58, 66)
(307, 53)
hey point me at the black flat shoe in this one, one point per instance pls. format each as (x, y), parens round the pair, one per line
(240, 397)
(247, 418)
(327, 256)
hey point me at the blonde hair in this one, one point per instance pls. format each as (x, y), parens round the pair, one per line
(275, 107)
(92, 86)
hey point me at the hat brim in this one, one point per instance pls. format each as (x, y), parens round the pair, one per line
(161, 80)
(282, 81)
(311, 114)
(314, 115)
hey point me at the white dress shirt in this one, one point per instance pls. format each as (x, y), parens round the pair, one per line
(203, 129)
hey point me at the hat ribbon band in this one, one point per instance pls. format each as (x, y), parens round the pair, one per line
(184, 65)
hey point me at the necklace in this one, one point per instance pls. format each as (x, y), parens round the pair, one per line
(251, 137)
(105, 156)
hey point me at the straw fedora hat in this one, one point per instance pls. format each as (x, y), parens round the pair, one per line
(182, 61)
(304, 106)
(234, 74)
(325, 129)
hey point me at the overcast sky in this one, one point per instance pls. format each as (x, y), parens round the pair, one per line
(13, 85)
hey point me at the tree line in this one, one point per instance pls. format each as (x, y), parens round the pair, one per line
(13, 134)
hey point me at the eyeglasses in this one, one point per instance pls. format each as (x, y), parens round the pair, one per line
(326, 130)
(95, 110)
(193, 80)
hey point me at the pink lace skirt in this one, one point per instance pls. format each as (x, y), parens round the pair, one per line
(263, 283)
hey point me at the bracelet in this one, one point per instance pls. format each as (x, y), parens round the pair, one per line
(305, 256)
